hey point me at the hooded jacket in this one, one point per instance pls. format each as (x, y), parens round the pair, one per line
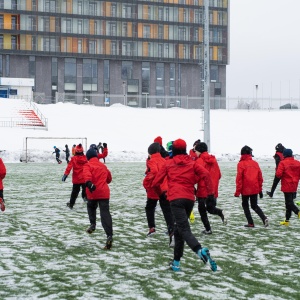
(76, 163)
(154, 164)
(249, 178)
(289, 172)
(210, 163)
(2, 173)
(182, 175)
(97, 172)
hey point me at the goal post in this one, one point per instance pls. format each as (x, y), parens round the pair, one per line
(83, 141)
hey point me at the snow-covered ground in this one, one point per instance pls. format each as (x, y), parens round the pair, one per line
(129, 131)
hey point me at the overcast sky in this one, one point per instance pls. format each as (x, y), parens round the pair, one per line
(264, 49)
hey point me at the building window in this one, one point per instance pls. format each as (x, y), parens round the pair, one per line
(160, 79)
(79, 46)
(31, 70)
(92, 47)
(89, 75)
(1, 3)
(14, 22)
(1, 21)
(7, 66)
(68, 26)
(33, 43)
(1, 41)
(14, 4)
(112, 28)
(127, 70)
(124, 29)
(54, 72)
(113, 49)
(146, 32)
(113, 10)
(79, 7)
(1, 65)
(46, 24)
(146, 77)
(106, 76)
(93, 8)
(182, 33)
(70, 74)
(127, 48)
(13, 42)
(79, 26)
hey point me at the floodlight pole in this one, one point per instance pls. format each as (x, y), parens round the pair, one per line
(206, 76)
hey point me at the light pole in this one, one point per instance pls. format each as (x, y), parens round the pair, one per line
(206, 76)
(124, 92)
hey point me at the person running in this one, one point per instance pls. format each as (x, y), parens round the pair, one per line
(2, 176)
(67, 151)
(163, 152)
(76, 164)
(100, 149)
(206, 204)
(182, 175)
(104, 153)
(97, 177)
(192, 152)
(289, 172)
(249, 182)
(278, 156)
(154, 163)
(57, 154)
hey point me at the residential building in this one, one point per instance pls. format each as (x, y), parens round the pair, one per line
(140, 48)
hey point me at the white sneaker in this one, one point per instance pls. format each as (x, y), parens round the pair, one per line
(266, 222)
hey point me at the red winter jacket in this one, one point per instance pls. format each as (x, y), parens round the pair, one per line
(104, 154)
(2, 173)
(154, 164)
(289, 172)
(249, 178)
(210, 163)
(181, 177)
(76, 163)
(193, 154)
(97, 172)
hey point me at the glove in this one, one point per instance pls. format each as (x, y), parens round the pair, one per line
(261, 195)
(90, 186)
(210, 197)
(236, 195)
(64, 177)
(104, 145)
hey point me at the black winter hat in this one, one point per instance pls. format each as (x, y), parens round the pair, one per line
(201, 147)
(279, 147)
(91, 153)
(246, 150)
(196, 143)
(287, 153)
(154, 148)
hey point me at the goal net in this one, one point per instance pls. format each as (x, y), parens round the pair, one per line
(40, 149)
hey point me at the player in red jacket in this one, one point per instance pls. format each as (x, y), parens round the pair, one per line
(278, 156)
(2, 176)
(206, 204)
(97, 177)
(182, 175)
(289, 172)
(76, 164)
(249, 182)
(192, 152)
(154, 163)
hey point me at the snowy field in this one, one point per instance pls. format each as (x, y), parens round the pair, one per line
(46, 253)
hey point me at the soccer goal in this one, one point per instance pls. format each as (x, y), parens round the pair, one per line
(31, 143)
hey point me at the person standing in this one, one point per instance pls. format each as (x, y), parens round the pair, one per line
(278, 156)
(97, 177)
(154, 163)
(206, 204)
(67, 151)
(249, 182)
(2, 176)
(76, 164)
(104, 153)
(100, 150)
(182, 174)
(57, 154)
(289, 172)
(73, 149)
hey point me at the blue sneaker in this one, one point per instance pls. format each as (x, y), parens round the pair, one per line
(205, 257)
(175, 265)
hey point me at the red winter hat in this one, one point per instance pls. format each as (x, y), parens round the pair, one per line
(158, 140)
(179, 144)
(79, 149)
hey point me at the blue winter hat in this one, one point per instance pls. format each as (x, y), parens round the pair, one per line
(287, 153)
(91, 153)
